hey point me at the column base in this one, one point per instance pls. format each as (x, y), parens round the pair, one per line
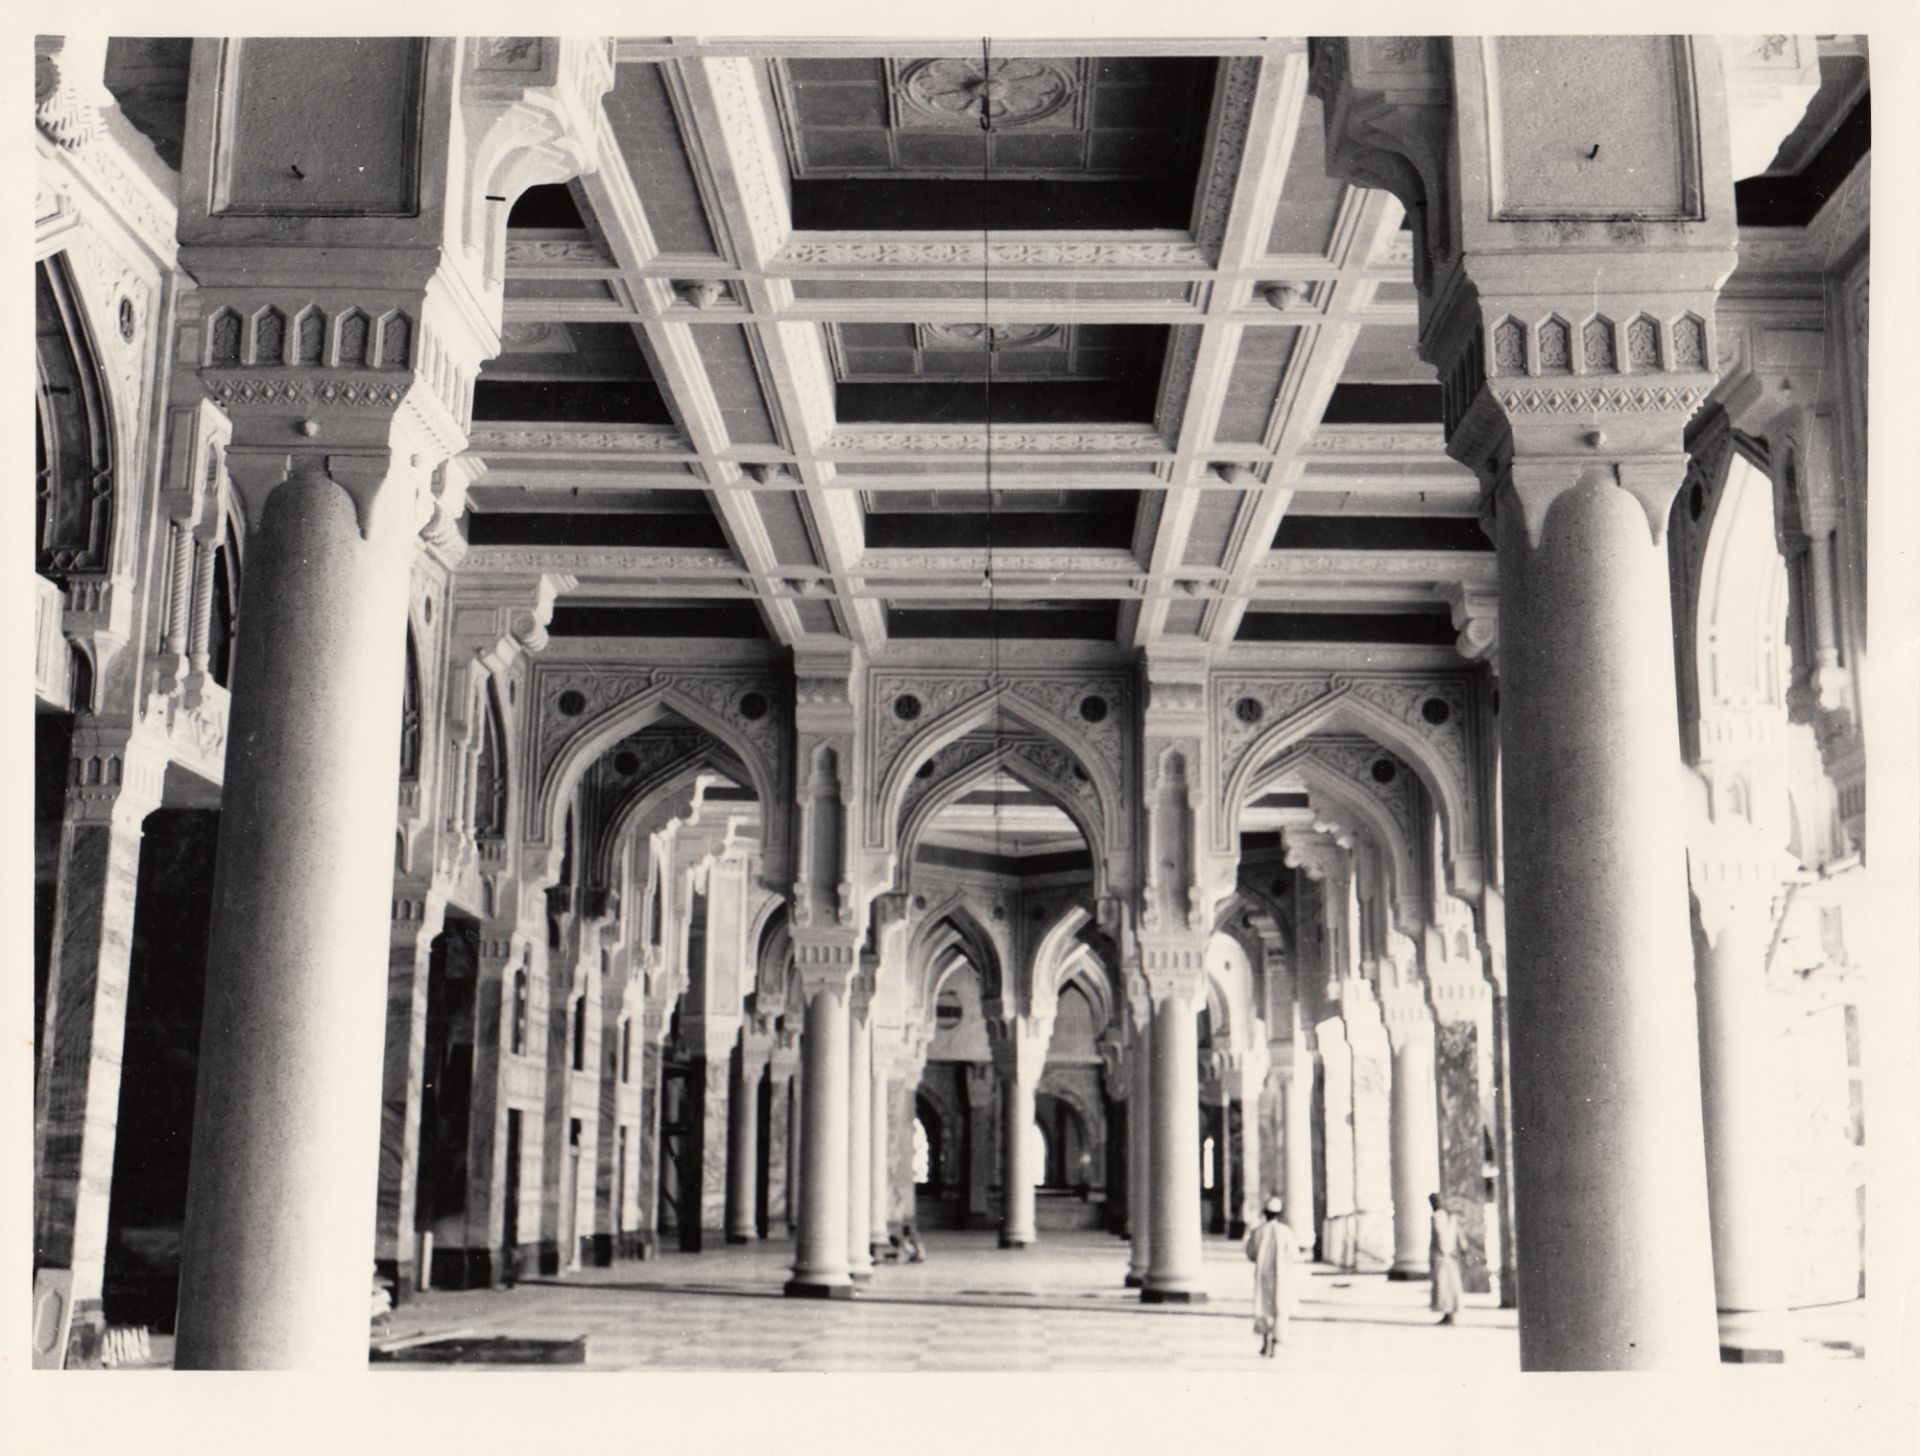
(1015, 1241)
(861, 1276)
(739, 1238)
(1136, 1281)
(1150, 1295)
(1409, 1272)
(797, 1288)
(1752, 1338)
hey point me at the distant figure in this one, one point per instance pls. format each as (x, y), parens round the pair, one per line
(911, 1246)
(1443, 1255)
(1273, 1248)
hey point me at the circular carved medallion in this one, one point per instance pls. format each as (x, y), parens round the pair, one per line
(958, 90)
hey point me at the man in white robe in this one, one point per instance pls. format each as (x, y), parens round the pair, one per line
(1443, 1259)
(1272, 1248)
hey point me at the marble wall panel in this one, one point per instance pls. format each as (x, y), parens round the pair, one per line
(900, 1115)
(713, 1146)
(1462, 1130)
(400, 1095)
(86, 1031)
(779, 1150)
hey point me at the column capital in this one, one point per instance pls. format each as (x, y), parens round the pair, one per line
(1173, 967)
(826, 960)
(115, 776)
(68, 88)
(1019, 1045)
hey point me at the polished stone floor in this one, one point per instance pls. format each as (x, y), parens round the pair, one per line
(972, 1306)
(1058, 1306)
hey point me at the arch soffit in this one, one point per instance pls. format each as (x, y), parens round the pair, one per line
(1345, 711)
(641, 803)
(1738, 591)
(917, 749)
(595, 737)
(650, 808)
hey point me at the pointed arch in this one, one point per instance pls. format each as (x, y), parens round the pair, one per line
(1343, 710)
(1341, 800)
(77, 509)
(1006, 759)
(954, 925)
(490, 775)
(1112, 839)
(594, 737)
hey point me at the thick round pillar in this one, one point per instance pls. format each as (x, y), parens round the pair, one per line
(278, 1246)
(1610, 1198)
(1173, 1271)
(820, 1247)
(1744, 1114)
(1016, 1159)
(1296, 1150)
(1416, 1151)
(880, 1178)
(743, 1151)
(1140, 1159)
(860, 1150)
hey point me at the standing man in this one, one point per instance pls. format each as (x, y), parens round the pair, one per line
(1272, 1248)
(1443, 1257)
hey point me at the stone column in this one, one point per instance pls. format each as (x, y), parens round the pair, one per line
(114, 786)
(418, 915)
(1251, 1081)
(783, 1212)
(1571, 357)
(982, 1092)
(880, 1149)
(1020, 1054)
(860, 1139)
(277, 1250)
(1416, 1139)
(820, 1248)
(1296, 1118)
(653, 1021)
(1140, 1154)
(1372, 1126)
(390, 249)
(743, 1137)
(1174, 1272)
(1745, 1109)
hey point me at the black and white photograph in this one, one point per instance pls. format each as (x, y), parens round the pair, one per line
(1048, 702)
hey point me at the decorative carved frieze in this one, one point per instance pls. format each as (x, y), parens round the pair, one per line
(1232, 120)
(826, 250)
(584, 253)
(863, 440)
(633, 440)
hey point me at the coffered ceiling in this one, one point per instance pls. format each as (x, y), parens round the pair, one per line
(912, 341)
